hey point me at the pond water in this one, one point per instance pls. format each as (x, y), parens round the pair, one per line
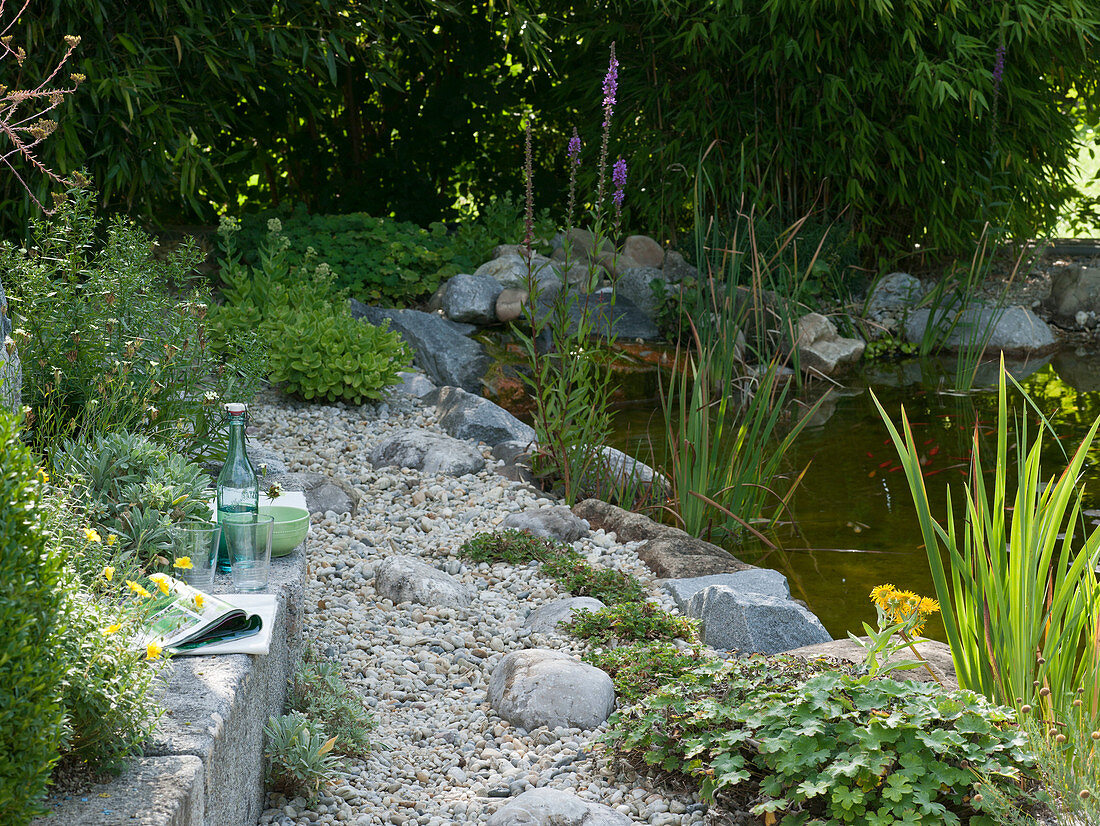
(854, 525)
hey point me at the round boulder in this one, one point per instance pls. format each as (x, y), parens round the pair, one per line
(555, 522)
(407, 579)
(550, 807)
(431, 453)
(542, 687)
(545, 619)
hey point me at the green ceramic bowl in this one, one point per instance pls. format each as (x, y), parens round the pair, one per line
(291, 527)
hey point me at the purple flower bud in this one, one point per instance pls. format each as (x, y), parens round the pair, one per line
(618, 174)
(617, 198)
(610, 85)
(999, 66)
(574, 149)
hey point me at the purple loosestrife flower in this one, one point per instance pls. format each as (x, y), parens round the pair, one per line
(573, 152)
(610, 87)
(998, 67)
(618, 178)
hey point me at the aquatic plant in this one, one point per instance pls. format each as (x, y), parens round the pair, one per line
(1018, 594)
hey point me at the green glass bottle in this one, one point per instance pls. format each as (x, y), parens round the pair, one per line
(238, 488)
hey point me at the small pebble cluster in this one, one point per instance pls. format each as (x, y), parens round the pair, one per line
(442, 755)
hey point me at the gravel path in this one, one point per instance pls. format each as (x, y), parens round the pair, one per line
(443, 756)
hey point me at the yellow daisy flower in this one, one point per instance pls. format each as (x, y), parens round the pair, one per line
(137, 589)
(112, 629)
(108, 573)
(152, 651)
(199, 600)
(161, 582)
(111, 539)
(91, 535)
(183, 563)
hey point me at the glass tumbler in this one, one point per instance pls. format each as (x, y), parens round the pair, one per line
(248, 540)
(197, 543)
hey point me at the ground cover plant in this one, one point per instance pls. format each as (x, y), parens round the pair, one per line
(630, 622)
(826, 747)
(511, 545)
(320, 694)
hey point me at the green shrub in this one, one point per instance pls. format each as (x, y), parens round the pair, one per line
(516, 547)
(106, 344)
(582, 579)
(132, 490)
(630, 622)
(315, 347)
(320, 693)
(377, 260)
(640, 669)
(300, 762)
(31, 672)
(832, 748)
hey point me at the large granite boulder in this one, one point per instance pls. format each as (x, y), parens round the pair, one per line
(892, 298)
(754, 581)
(741, 621)
(11, 371)
(1011, 330)
(545, 618)
(428, 452)
(1074, 290)
(550, 807)
(443, 349)
(644, 250)
(557, 522)
(626, 321)
(543, 687)
(407, 579)
(936, 654)
(413, 383)
(323, 493)
(512, 272)
(472, 299)
(676, 268)
(642, 287)
(467, 416)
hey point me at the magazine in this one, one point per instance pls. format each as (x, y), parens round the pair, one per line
(182, 619)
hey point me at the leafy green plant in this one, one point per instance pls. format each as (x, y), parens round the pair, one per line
(31, 673)
(500, 221)
(900, 613)
(320, 693)
(630, 622)
(316, 348)
(106, 344)
(582, 579)
(132, 490)
(832, 748)
(1018, 594)
(300, 762)
(642, 668)
(516, 547)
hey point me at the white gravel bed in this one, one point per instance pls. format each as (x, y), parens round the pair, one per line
(442, 755)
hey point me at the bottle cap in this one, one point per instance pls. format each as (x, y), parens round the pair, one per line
(236, 407)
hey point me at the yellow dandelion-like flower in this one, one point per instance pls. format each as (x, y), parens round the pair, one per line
(183, 563)
(199, 600)
(108, 573)
(112, 629)
(43, 476)
(137, 589)
(928, 606)
(92, 535)
(152, 651)
(881, 595)
(111, 539)
(161, 582)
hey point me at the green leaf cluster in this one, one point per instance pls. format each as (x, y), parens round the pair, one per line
(511, 545)
(630, 622)
(134, 489)
(642, 668)
(31, 672)
(300, 760)
(832, 748)
(320, 693)
(315, 348)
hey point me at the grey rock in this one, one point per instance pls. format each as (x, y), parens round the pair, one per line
(512, 272)
(414, 384)
(757, 623)
(472, 298)
(625, 321)
(442, 348)
(1074, 290)
(407, 579)
(432, 453)
(11, 370)
(1013, 330)
(617, 468)
(644, 250)
(323, 492)
(555, 523)
(510, 304)
(935, 653)
(755, 581)
(821, 348)
(467, 416)
(894, 293)
(550, 807)
(264, 459)
(512, 451)
(542, 687)
(638, 285)
(545, 618)
(676, 269)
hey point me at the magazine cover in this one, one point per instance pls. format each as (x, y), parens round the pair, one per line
(181, 618)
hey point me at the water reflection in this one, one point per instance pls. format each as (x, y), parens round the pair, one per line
(854, 523)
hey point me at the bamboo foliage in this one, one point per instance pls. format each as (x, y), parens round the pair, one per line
(1017, 588)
